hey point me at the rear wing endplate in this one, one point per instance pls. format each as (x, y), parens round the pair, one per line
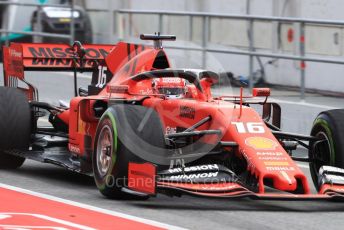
(21, 57)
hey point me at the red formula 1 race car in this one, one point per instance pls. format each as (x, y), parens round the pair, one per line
(143, 128)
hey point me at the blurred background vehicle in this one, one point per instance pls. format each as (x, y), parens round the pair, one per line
(44, 19)
(57, 20)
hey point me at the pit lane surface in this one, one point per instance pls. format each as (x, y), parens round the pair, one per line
(187, 212)
(19, 211)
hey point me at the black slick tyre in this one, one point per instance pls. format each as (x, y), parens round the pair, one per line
(123, 132)
(328, 126)
(15, 126)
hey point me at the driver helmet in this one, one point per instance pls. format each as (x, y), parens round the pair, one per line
(171, 87)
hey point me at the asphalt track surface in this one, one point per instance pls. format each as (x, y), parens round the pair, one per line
(186, 212)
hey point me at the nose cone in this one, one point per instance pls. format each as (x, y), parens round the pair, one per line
(284, 181)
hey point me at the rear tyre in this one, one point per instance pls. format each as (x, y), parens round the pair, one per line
(117, 134)
(329, 126)
(15, 126)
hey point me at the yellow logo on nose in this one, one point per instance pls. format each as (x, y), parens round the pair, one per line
(261, 143)
(276, 163)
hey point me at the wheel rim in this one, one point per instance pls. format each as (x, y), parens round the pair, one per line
(104, 150)
(322, 152)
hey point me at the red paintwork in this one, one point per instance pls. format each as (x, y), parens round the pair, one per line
(12, 61)
(64, 116)
(14, 69)
(328, 189)
(261, 92)
(20, 57)
(60, 56)
(36, 212)
(141, 177)
(233, 190)
(266, 158)
(219, 187)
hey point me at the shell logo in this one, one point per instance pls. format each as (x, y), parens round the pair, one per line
(261, 143)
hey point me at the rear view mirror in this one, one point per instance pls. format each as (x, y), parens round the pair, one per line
(83, 92)
(261, 92)
(209, 76)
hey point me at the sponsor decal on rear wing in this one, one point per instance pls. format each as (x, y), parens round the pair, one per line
(60, 56)
(30, 56)
(20, 57)
(13, 62)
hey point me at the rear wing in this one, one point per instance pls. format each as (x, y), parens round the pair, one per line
(21, 57)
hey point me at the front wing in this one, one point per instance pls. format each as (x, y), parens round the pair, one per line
(198, 181)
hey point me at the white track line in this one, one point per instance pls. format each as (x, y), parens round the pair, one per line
(44, 217)
(90, 207)
(302, 103)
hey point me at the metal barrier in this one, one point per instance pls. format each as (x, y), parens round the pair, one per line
(115, 28)
(6, 32)
(251, 50)
(110, 33)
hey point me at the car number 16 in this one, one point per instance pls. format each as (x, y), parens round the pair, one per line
(249, 127)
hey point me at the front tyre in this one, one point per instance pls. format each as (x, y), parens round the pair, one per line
(329, 128)
(117, 133)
